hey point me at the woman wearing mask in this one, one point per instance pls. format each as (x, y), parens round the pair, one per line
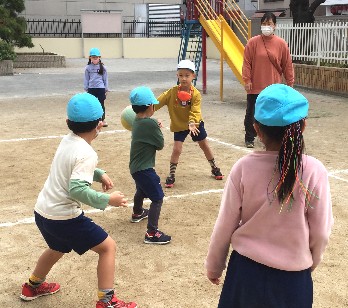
(266, 59)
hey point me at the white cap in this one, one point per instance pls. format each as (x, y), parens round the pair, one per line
(187, 64)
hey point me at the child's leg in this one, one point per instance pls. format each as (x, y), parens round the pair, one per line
(37, 286)
(177, 149)
(174, 159)
(46, 261)
(106, 263)
(203, 144)
(154, 214)
(138, 202)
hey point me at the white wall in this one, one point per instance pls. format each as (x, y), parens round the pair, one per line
(115, 47)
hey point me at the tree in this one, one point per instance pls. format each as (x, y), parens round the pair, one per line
(12, 28)
(302, 12)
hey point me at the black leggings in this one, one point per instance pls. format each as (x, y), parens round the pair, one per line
(99, 93)
(154, 211)
(250, 132)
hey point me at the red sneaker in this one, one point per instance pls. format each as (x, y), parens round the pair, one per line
(170, 180)
(115, 303)
(216, 173)
(29, 293)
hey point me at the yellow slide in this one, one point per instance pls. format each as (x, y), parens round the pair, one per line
(232, 47)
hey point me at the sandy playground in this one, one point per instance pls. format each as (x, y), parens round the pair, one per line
(170, 276)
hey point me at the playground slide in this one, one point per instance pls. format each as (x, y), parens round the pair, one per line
(231, 45)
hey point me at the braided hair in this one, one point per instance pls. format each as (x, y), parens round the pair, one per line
(289, 160)
(101, 66)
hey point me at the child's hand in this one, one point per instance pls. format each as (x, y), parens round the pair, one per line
(106, 182)
(212, 277)
(193, 129)
(117, 199)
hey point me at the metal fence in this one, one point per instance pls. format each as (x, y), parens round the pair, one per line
(54, 28)
(319, 42)
(132, 28)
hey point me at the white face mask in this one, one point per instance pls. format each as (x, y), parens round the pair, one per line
(267, 30)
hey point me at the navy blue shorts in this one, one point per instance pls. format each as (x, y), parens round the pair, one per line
(181, 136)
(79, 234)
(249, 284)
(149, 183)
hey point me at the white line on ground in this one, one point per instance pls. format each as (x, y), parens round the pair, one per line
(30, 220)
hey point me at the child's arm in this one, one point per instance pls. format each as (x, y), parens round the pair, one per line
(156, 135)
(86, 80)
(81, 191)
(163, 99)
(195, 115)
(101, 177)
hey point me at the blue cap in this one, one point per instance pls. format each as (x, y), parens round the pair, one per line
(94, 52)
(280, 105)
(84, 107)
(142, 96)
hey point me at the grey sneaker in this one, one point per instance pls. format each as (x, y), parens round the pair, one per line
(140, 217)
(249, 144)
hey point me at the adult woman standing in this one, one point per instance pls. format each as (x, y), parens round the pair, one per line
(266, 60)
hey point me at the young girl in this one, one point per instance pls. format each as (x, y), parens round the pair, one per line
(276, 212)
(96, 79)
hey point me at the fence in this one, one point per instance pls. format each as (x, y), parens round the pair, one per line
(317, 43)
(132, 28)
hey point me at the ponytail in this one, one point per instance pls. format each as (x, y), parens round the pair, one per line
(289, 160)
(101, 68)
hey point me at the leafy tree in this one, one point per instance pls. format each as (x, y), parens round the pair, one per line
(302, 12)
(12, 28)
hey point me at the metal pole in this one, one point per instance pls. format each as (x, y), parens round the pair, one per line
(204, 60)
(222, 62)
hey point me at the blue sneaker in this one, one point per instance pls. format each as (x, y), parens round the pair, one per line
(158, 237)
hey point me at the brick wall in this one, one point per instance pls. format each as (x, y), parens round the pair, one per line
(34, 61)
(328, 79)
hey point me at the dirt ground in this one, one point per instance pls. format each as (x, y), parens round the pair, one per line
(173, 275)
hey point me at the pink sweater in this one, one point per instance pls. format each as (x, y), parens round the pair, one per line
(257, 67)
(288, 240)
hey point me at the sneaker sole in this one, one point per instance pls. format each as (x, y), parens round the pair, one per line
(26, 298)
(138, 220)
(168, 185)
(218, 177)
(156, 243)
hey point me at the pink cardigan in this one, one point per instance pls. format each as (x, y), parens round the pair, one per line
(288, 240)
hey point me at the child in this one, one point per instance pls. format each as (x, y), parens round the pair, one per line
(58, 212)
(96, 79)
(276, 212)
(147, 138)
(184, 105)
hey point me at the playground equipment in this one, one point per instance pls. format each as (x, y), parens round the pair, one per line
(226, 25)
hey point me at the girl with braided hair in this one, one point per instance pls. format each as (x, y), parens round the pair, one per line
(275, 212)
(96, 79)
